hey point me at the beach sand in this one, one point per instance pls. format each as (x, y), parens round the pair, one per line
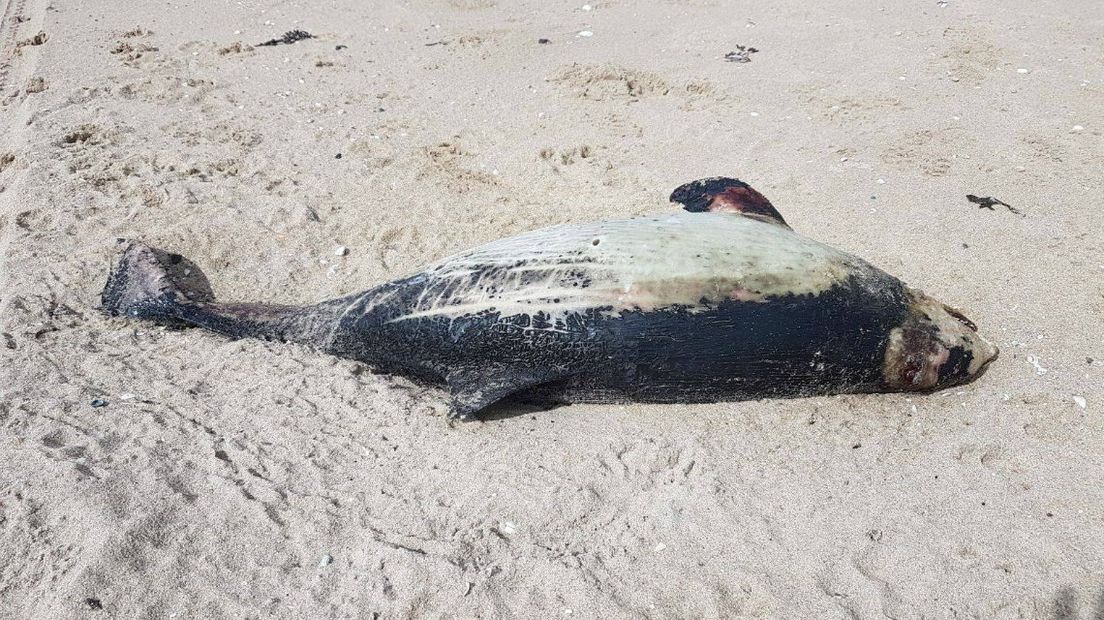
(245, 479)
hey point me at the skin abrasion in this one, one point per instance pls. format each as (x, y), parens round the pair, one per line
(721, 301)
(689, 260)
(934, 345)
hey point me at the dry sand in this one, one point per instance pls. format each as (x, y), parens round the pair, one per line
(251, 480)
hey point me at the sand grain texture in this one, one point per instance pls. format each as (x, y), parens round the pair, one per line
(219, 476)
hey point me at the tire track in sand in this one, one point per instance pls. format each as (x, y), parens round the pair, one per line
(12, 9)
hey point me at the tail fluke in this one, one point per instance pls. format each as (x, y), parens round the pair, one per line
(167, 288)
(148, 283)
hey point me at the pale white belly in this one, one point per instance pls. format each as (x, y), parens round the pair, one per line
(684, 259)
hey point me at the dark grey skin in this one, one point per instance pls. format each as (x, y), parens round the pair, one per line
(721, 302)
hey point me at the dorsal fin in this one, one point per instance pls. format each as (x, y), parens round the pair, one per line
(721, 195)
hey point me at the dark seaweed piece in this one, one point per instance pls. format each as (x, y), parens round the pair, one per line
(291, 36)
(987, 202)
(742, 54)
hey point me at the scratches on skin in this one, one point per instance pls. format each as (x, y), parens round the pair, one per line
(365, 302)
(684, 259)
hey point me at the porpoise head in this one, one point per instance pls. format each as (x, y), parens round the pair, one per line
(935, 347)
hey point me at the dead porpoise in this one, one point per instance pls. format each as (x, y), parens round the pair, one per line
(721, 301)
